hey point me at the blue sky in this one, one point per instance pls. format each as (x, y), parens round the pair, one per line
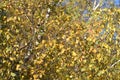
(117, 2)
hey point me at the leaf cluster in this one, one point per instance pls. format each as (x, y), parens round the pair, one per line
(43, 40)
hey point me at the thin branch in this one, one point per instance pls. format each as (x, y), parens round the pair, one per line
(24, 46)
(114, 64)
(95, 5)
(28, 18)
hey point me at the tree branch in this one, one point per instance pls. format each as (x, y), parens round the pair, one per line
(95, 5)
(114, 64)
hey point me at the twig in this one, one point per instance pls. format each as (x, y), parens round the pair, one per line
(24, 46)
(95, 5)
(114, 64)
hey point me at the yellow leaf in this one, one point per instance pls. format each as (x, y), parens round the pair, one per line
(94, 51)
(13, 74)
(35, 76)
(77, 41)
(99, 57)
(89, 39)
(7, 37)
(17, 30)
(18, 67)
(62, 51)
(38, 61)
(101, 72)
(11, 58)
(18, 18)
(1, 31)
(105, 45)
(63, 36)
(61, 46)
(73, 53)
(43, 41)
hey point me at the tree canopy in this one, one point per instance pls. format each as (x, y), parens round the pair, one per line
(44, 40)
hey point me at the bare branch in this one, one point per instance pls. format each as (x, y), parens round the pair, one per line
(23, 47)
(114, 64)
(95, 5)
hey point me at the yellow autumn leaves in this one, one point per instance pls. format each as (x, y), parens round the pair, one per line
(62, 53)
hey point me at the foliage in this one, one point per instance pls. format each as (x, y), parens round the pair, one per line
(42, 40)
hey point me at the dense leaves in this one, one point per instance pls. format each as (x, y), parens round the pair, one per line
(46, 40)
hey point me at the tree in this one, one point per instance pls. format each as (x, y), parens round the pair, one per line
(45, 40)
